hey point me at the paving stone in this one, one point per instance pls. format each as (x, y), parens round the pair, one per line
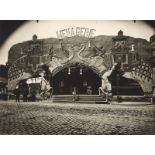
(47, 118)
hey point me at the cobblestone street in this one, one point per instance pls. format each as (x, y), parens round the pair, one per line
(75, 119)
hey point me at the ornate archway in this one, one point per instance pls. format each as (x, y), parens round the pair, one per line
(124, 86)
(88, 55)
(77, 76)
(143, 75)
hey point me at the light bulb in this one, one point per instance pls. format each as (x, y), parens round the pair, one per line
(69, 71)
(89, 45)
(80, 71)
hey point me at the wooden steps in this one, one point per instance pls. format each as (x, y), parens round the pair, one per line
(79, 99)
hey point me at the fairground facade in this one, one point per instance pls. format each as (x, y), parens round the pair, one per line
(92, 68)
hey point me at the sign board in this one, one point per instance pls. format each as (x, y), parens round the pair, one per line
(75, 31)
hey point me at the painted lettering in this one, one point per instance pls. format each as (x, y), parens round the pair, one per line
(75, 31)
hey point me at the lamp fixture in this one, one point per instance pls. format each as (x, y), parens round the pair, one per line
(69, 71)
(80, 71)
(89, 45)
(132, 47)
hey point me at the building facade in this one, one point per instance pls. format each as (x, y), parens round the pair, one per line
(120, 65)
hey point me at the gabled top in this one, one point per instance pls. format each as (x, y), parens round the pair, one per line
(34, 38)
(120, 36)
(120, 33)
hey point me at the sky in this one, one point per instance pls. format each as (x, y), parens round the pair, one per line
(48, 29)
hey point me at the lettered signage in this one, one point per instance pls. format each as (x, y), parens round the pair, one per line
(75, 31)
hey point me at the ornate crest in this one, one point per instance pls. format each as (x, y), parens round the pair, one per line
(36, 56)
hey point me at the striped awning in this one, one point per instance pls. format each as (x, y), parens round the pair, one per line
(3, 80)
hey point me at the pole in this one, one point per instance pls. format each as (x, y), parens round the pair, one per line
(117, 83)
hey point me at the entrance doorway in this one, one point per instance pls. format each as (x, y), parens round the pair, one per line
(78, 77)
(124, 86)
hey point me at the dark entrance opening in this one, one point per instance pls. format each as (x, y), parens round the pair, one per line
(124, 86)
(85, 80)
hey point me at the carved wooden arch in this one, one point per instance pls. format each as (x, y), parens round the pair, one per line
(143, 75)
(93, 68)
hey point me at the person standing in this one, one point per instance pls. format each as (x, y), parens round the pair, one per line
(25, 92)
(74, 93)
(17, 94)
(33, 95)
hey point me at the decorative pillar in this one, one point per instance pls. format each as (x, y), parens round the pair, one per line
(152, 41)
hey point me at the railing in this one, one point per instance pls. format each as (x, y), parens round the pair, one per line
(102, 92)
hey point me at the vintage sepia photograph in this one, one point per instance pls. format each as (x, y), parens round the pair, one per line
(77, 77)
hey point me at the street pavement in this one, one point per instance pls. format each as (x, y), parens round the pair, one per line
(47, 118)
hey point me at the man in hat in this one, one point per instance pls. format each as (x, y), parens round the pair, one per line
(17, 93)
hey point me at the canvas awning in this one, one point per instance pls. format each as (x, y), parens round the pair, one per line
(3, 80)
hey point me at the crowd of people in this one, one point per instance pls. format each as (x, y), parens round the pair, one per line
(27, 93)
(33, 92)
